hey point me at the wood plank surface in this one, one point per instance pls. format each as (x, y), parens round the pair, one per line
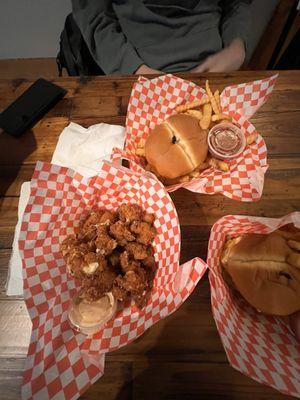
(181, 357)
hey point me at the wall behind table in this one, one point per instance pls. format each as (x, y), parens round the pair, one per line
(31, 28)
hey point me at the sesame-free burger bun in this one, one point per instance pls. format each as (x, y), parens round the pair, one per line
(177, 146)
(265, 269)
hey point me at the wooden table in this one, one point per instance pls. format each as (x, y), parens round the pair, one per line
(181, 357)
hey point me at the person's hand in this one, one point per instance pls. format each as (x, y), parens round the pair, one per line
(229, 59)
(144, 70)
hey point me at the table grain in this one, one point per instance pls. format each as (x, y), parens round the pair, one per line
(180, 357)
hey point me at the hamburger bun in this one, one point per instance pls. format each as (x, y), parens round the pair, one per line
(177, 146)
(265, 269)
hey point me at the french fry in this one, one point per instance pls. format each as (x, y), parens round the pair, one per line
(195, 174)
(141, 143)
(219, 117)
(205, 121)
(190, 106)
(219, 164)
(195, 113)
(140, 151)
(202, 166)
(211, 98)
(183, 179)
(217, 97)
(251, 138)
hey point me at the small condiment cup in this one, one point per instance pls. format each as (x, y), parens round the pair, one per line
(226, 126)
(90, 318)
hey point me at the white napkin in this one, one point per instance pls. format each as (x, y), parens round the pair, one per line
(80, 149)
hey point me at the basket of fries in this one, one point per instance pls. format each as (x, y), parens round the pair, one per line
(155, 104)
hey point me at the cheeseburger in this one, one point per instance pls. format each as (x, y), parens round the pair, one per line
(265, 269)
(176, 147)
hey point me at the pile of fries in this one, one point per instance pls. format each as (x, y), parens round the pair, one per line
(206, 110)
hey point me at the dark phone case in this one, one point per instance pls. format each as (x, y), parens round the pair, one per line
(30, 107)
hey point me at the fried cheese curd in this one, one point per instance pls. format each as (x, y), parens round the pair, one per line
(113, 252)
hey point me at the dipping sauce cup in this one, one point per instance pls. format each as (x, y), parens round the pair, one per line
(226, 141)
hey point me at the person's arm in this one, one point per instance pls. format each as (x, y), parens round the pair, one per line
(236, 21)
(235, 29)
(104, 37)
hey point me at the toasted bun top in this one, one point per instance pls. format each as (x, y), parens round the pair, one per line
(177, 146)
(266, 271)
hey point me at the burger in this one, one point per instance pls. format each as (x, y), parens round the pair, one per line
(265, 270)
(176, 147)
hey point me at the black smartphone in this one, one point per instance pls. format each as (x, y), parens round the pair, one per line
(30, 107)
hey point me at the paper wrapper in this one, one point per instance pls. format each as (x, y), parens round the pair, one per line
(152, 101)
(62, 363)
(258, 345)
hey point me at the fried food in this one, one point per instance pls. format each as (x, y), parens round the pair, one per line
(130, 212)
(95, 287)
(195, 174)
(140, 150)
(105, 244)
(121, 233)
(190, 106)
(101, 217)
(205, 121)
(195, 113)
(150, 218)
(149, 262)
(114, 258)
(144, 232)
(107, 218)
(68, 244)
(251, 138)
(219, 164)
(94, 263)
(134, 282)
(128, 263)
(119, 292)
(221, 117)
(88, 233)
(137, 250)
(212, 99)
(218, 101)
(112, 252)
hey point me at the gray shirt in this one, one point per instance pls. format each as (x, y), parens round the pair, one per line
(168, 35)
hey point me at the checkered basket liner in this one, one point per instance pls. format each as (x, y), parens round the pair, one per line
(258, 345)
(62, 364)
(152, 101)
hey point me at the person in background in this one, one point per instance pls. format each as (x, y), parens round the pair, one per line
(153, 36)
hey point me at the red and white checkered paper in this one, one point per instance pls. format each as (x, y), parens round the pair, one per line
(258, 345)
(61, 363)
(152, 101)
